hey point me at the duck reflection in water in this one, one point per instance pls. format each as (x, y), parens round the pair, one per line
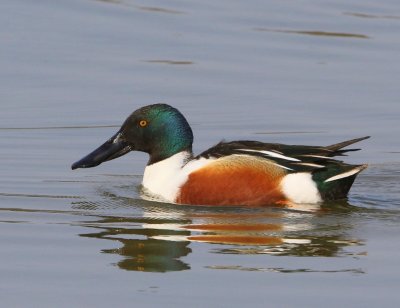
(140, 250)
(160, 238)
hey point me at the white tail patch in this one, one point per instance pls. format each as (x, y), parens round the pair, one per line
(272, 154)
(300, 188)
(346, 174)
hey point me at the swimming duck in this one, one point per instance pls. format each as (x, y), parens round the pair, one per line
(229, 173)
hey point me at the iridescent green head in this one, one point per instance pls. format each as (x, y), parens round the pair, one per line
(159, 130)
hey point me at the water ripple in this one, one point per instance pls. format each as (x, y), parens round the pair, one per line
(316, 33)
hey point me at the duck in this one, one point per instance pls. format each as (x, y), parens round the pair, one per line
(237, 173)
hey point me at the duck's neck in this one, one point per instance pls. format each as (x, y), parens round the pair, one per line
(175, 137)
(164, 153)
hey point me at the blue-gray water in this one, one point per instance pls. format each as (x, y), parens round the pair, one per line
(302, 72)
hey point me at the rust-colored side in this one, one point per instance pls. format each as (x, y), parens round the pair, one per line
(234, 180)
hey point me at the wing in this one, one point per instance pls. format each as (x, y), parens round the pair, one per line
(294, 158)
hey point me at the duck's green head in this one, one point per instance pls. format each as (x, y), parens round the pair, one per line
(159, 130)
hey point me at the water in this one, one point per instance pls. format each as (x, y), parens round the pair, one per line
(300, 72)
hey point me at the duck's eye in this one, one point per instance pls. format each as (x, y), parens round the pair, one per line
(143, 123)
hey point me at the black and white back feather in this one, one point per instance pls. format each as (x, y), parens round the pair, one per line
(293, 158)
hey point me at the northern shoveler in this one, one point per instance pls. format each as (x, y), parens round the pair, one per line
(229, 173)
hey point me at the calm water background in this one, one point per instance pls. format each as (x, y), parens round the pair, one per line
(305, 72)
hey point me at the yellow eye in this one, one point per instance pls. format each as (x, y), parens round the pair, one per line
(143, 123)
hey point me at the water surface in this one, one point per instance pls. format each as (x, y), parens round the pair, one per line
(293, 72)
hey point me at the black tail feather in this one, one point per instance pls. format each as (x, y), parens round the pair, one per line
(337, 146)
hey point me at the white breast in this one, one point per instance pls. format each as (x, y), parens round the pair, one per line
(164, 178)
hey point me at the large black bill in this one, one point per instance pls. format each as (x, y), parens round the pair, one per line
(115, 147)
